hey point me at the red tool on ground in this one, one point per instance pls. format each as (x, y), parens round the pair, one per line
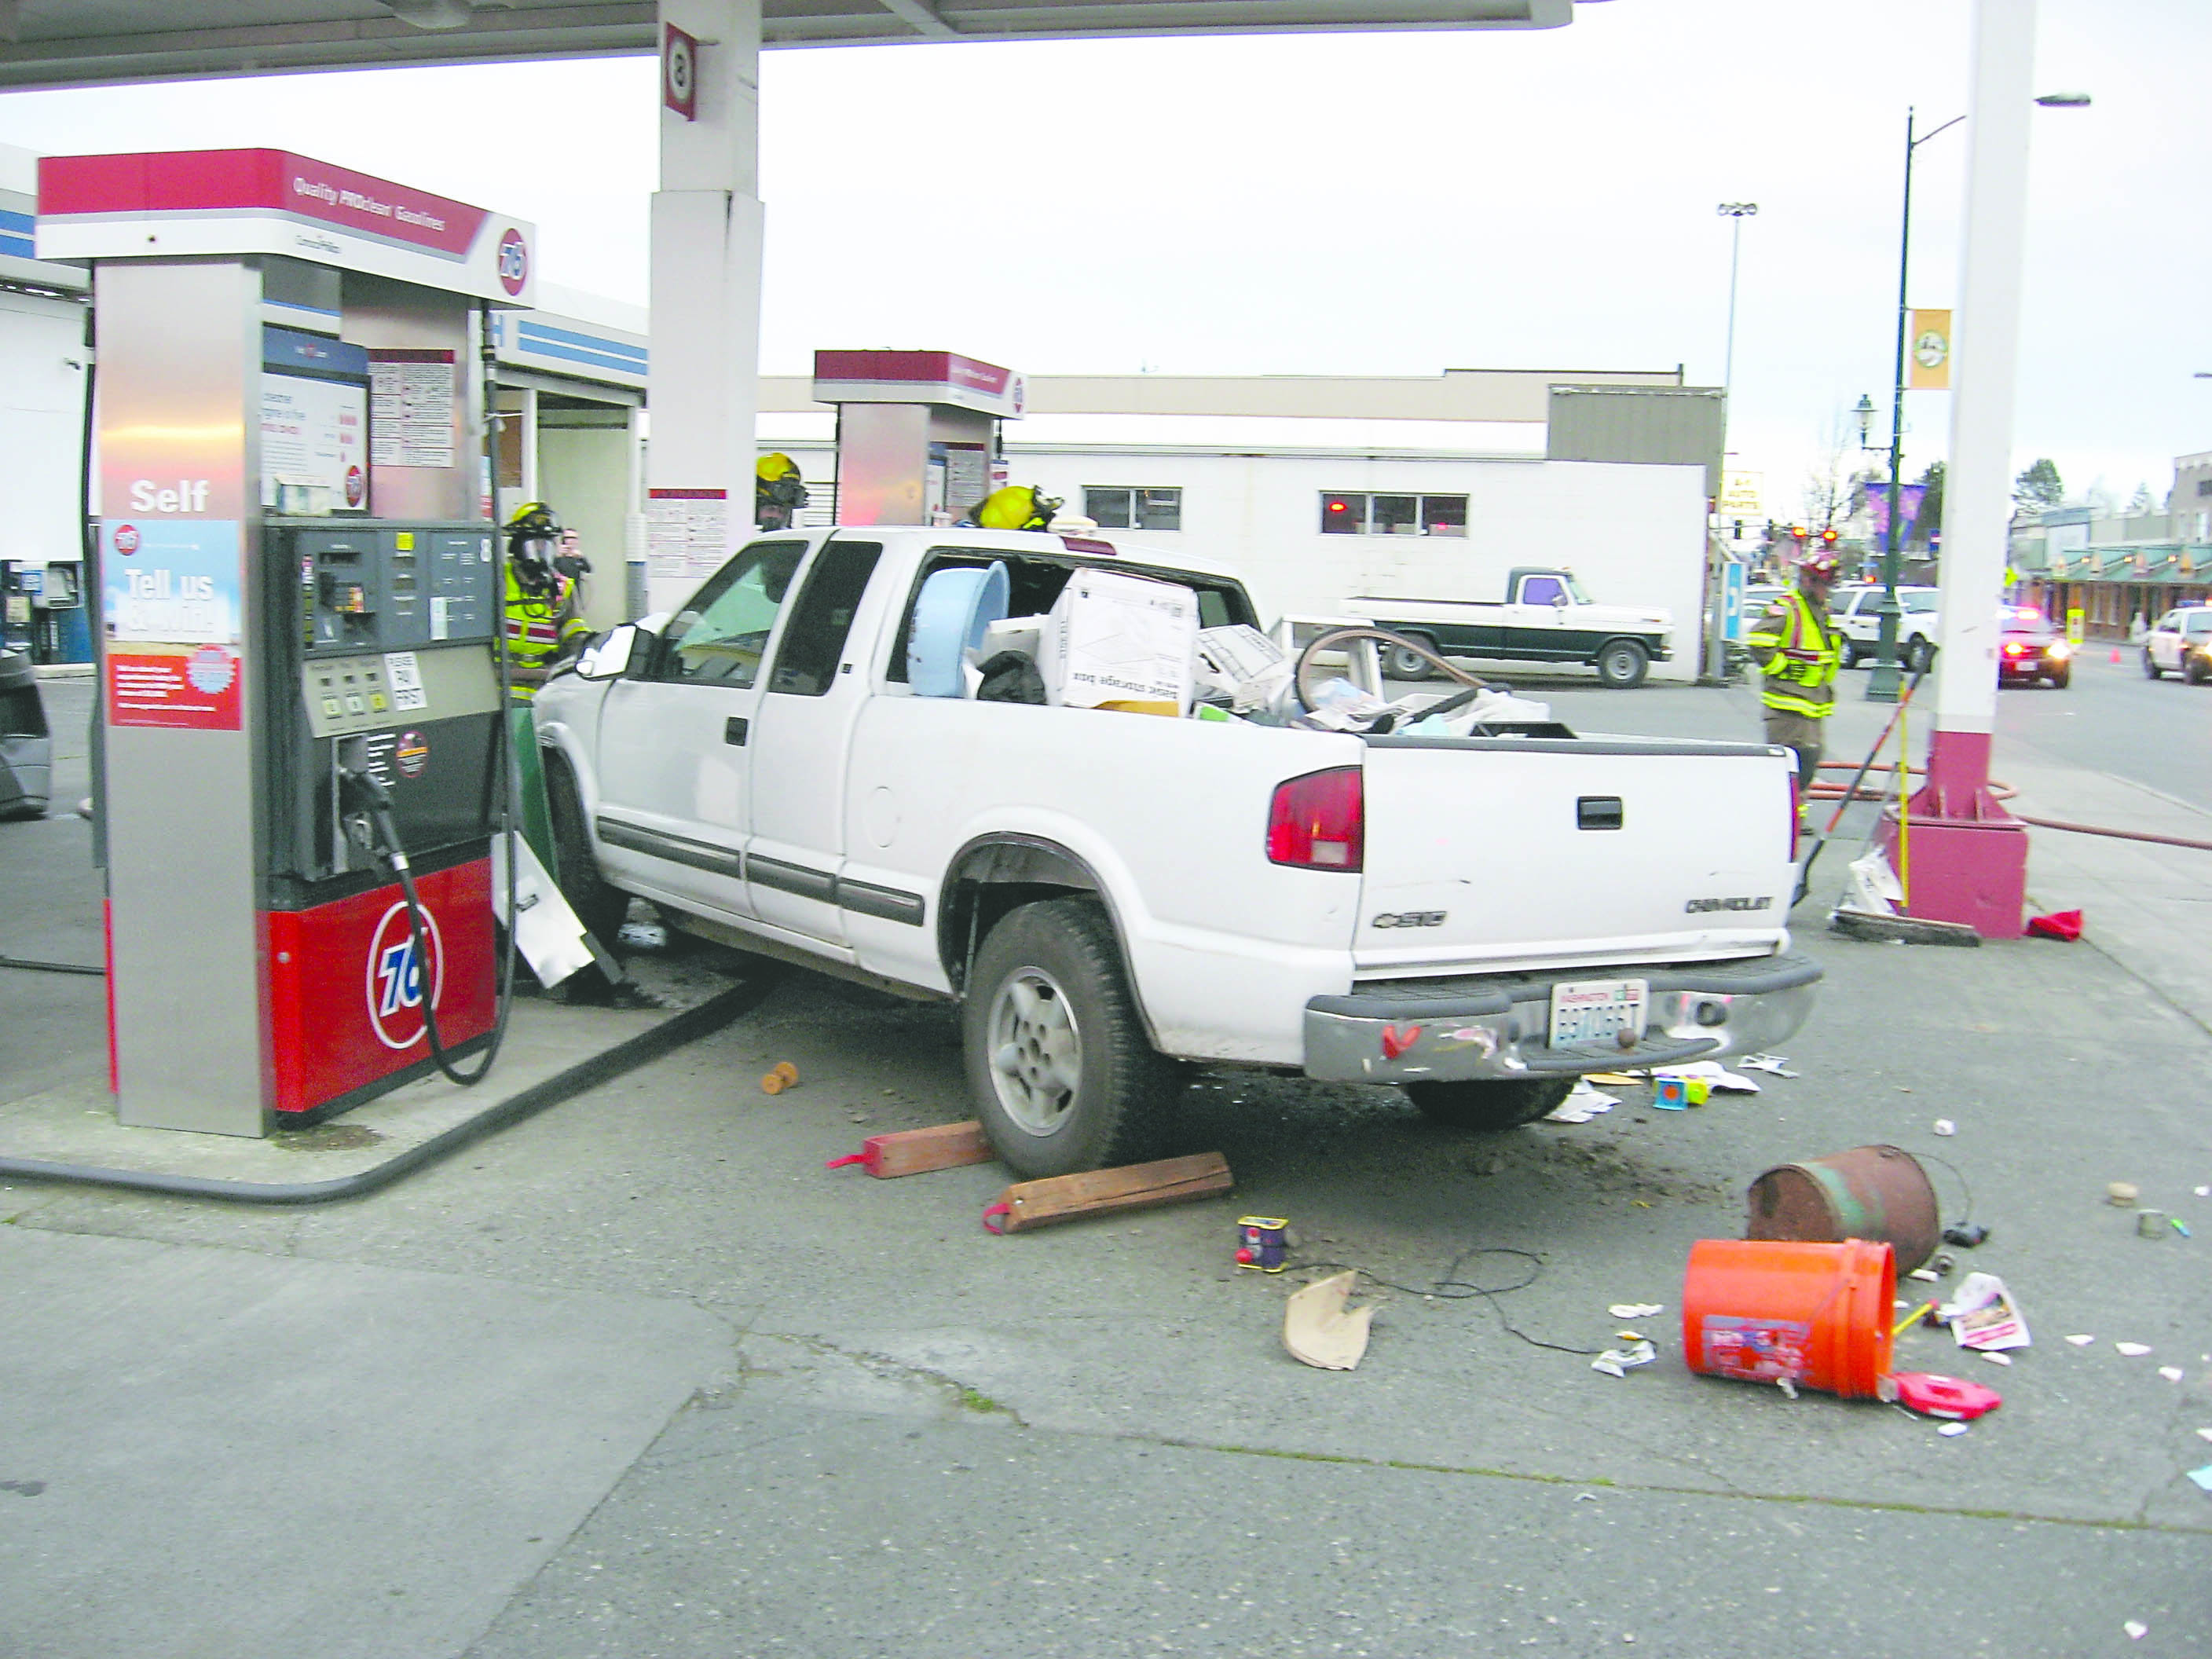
(1939, 1396)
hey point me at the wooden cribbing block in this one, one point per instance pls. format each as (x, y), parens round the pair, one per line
(1029, 1204)
(912, 1151)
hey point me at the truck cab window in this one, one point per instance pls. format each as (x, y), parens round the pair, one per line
(814, 640)
(1543, 590)
(719, 637)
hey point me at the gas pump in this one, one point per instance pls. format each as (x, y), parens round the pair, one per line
(303, 708)
(918, 432)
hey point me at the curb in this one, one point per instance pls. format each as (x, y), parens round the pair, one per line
(626, 1056)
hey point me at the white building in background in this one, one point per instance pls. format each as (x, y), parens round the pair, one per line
(1318, 487)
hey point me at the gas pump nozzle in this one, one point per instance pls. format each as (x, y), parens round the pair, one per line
(355, 774)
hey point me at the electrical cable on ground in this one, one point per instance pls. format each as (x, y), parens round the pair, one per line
(1450, 1288)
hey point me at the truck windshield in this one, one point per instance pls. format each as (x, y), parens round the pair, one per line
(1575, 590)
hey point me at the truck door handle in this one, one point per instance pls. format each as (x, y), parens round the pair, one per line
(733, 731)
(1599, 812)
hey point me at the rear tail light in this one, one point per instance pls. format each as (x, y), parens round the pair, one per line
(1319, 822)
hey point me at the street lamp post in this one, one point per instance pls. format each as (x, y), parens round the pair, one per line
(1735, 213)
(1886, 681)
(1884, 684)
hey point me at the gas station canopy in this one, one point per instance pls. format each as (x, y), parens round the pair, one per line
(61, 43)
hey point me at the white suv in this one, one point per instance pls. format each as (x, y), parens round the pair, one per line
(1857, 615)
(2180, 642)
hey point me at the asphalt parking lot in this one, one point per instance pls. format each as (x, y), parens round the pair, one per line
(641, 1377)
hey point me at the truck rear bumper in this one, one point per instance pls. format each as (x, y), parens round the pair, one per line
(1496, 1026)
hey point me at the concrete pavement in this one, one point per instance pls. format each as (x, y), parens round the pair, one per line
(640, 1378)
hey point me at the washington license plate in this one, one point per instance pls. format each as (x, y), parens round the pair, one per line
(1594, 1010)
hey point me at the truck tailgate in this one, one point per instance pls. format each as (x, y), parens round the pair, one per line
(1500, 853)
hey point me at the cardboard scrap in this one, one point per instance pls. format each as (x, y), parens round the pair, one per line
(1319, 1331)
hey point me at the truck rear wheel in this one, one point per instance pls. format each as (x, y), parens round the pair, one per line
(1063, 1075)
(1505, 1104)
(1621, 664)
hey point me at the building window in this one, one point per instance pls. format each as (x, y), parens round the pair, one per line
(2204, 486)
(1348, 513)
(1112, 507)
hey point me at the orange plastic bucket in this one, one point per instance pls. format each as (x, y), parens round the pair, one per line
(1817, 1315)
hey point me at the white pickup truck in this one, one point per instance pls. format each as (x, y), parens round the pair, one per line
(1109, 896)
(1545, 617)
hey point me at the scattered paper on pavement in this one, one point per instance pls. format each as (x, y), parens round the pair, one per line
(2132, 1350)
(1637, 1310)
(1581, 1105)
(1619, 1362)
(1982, 1315)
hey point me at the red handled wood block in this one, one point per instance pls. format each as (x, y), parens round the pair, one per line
(913, 1151)
(1029, 1204)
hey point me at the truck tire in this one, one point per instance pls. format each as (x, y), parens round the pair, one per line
(1621, 664)
(1063, 1075)
(599, 907)
(1494, 1105)
(1403, 665)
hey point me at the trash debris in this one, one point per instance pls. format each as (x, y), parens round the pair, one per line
(1927, 1274)
(1777, 1064)
(1672, 1094)
(1028, 1204)
(2080, 1341)
(2065, 926)
(1581, 1105)
(1711, 1072)
(1262, 1241)
(2135, 1632)
(2123, 1195)
(2202, 1478)
(2204, 1434)
(1943, 1126)
(643, 935)
(2150, 1223)
(2179, 1226)
(784, 1076)
(1319, 1331)
(2132, 1350)
(1911, 1320)
(1995, 1357)
(1619, 1362)
(2171, 1373)
(915, 1152)
(1787, 1387)
(1982, 1315)
(1623, 1080)
(1637, 1310)
(1968, 1236)
(2203, 1192)
(1951, 1431)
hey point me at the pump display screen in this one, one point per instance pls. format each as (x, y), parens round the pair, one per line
(314, 445)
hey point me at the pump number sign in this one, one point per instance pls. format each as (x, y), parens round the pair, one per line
(679, 72)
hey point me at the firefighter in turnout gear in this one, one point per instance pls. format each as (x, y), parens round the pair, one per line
(544, 622)
(1798, 651)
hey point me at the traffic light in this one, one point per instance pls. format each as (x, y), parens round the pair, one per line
(1828, 537)
(1800, 532)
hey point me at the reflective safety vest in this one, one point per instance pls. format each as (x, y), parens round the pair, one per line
(1795, 687)
(539, 626)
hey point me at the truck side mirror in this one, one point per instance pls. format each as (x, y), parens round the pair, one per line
(620, 652)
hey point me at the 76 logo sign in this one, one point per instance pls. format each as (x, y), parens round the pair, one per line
(395, 979)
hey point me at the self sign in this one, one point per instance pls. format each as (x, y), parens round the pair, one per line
(189, 495)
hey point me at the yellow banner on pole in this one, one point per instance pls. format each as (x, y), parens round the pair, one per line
(1931, 351)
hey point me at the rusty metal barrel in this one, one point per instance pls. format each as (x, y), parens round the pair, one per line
(1879, 1194)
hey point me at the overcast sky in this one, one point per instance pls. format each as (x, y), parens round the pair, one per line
(1376, 204)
